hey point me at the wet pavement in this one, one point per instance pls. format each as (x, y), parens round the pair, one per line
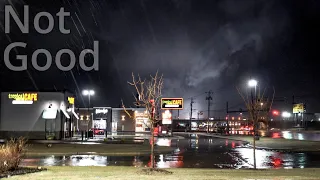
(300, 135)
(194, 151)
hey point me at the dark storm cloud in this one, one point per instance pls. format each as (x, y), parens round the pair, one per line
(197, 45)
(190, 44)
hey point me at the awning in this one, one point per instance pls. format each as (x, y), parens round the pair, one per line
(50, 113)
(65, 113)
(75, 114)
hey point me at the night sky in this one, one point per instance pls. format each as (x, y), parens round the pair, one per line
(198, 45)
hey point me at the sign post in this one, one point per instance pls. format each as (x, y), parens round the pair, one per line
(167, 117)
(299, 109)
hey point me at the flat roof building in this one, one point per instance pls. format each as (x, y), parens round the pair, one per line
(37, 115)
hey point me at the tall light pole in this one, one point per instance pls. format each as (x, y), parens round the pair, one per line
(253, 83)
(88, 93)
(285, 115)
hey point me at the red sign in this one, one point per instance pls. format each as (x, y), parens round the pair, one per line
(156, 131)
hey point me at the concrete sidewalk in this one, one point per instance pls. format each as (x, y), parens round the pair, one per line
(272, 143)
(127, 137)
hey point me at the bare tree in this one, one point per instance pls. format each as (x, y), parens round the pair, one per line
(258, 105)
(149, 96)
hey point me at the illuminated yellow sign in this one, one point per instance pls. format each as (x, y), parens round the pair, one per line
(71, 100)
(172, 103)
(298, 108)
(23, 98)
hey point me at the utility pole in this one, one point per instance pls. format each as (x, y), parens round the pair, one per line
(295, 121)
(191, 109)
(209, 99)
(227, 117)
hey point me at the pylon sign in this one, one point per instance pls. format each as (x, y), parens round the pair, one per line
(167, 117)
(298, 108)
(172, 103)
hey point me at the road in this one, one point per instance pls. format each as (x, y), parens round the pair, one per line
(193, 151)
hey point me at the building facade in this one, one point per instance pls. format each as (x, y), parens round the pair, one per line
(123, 121)
(112, 120)
(97, 119)
(37, 115)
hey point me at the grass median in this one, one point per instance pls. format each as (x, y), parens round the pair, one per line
(88, 173)
(99, 149)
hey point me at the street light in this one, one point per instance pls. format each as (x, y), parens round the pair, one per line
(88, 93)
(285, 115)
(252, 83)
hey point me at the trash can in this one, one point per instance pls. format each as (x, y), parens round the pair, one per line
(257, 137)
(90, 134)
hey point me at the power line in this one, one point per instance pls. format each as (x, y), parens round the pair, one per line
(196, 95)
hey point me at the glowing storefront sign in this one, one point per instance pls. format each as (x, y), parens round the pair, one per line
(143, 115)
(23, 98)
(71, 100)
(166, 117)
(172, 103)
(101, 111)
(142, 121)
(50, 113)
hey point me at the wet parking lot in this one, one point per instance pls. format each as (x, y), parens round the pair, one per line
(194, 151)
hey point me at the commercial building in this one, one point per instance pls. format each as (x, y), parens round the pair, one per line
(52, 115)
(109, 120)
(37, 115)
(129, 120)
(97, 119)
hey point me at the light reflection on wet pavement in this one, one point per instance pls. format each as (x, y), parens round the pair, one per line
(204, 152)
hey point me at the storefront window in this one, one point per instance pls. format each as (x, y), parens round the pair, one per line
(50, 129)
(114, 126)
(142, 125)
(100, 124)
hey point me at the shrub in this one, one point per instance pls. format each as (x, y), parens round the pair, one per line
(11, 154)
(50, 136)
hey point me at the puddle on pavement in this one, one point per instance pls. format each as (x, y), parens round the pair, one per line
(193, 152)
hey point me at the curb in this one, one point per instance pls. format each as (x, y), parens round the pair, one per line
(97, 154)
(284, 149)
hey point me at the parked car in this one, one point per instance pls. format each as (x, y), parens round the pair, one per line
(99, 131)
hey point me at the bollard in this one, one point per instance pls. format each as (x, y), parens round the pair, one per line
(81, 135)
